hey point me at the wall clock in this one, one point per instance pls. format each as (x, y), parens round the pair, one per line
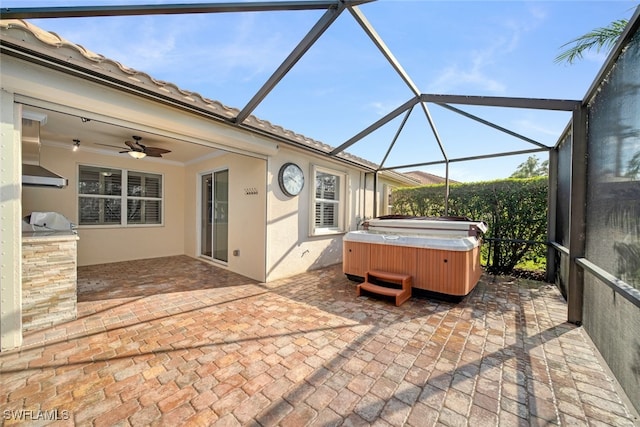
(291, 179)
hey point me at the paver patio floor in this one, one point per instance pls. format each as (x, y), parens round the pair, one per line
(175, 341)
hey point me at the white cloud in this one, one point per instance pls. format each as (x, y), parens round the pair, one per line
(381, 108)
(454, 77)
(533, 126)
(473, 71)
(203, 47)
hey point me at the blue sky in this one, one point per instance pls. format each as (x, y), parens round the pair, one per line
(344, 84)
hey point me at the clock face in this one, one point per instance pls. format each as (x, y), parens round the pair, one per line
(291, 179)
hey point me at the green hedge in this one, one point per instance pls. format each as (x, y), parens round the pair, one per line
(514, 209)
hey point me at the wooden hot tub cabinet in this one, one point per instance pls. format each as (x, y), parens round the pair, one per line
(445, 260)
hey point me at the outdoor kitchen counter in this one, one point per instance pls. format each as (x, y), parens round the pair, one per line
(43, 236)
(49, 278)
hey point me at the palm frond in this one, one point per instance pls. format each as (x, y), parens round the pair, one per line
(600, 38)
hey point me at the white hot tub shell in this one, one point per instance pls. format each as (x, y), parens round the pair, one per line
(442, 256)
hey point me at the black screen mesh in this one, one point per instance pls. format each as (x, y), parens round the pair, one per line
(613, 192)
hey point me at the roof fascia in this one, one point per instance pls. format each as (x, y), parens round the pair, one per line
(345, 160)
(41, 58)
(398, 177)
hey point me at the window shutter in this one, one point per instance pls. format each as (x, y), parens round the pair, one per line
(101, 198)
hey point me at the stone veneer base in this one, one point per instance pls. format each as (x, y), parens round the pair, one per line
(49, 280)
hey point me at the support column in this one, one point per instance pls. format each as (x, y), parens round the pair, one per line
(577, 214)
(552, 204)
(10, 225)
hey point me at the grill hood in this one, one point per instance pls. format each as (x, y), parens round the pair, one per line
(33, 174)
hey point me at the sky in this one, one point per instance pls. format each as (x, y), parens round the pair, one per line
(343, 83)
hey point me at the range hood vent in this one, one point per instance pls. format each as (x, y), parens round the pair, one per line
(33, 174)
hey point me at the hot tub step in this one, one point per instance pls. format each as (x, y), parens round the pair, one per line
(400, 295)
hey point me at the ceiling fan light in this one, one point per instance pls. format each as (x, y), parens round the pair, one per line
(137, 154)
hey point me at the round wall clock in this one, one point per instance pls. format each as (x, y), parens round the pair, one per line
(291, 179)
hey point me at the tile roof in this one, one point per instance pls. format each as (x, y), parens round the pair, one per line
(28, 36)
(426, 178)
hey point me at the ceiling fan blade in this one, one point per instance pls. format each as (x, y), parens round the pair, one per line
(155, 150)
(134, 146)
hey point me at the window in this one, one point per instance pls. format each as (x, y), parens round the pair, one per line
(328, 201)
(118, 197)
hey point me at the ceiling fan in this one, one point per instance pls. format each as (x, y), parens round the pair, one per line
(138, 150)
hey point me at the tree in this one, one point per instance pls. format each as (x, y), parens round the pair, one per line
(600, 38)
(633, 168)
(531, 167)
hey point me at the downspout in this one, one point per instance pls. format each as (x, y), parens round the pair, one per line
(363, 198)
(375, 194)
(446, 188)
(365, 195)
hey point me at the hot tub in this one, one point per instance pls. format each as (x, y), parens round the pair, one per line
(441, 255)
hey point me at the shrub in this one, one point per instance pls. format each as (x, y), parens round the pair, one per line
(514, 209)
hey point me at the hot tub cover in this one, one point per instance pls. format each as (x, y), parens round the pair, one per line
(432, 226)
(442, 242)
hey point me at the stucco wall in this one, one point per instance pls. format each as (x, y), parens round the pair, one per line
(290, 247)
(247, 211)
(111, 244)
(285, 249)
(10, 241)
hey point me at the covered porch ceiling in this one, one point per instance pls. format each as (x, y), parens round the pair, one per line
(108, 138)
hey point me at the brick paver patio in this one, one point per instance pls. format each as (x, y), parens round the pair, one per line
(175, 341)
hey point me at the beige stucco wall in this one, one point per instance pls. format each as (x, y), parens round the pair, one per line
(55, 90)
(10, 231)
(290, 247)
(270, 230)
(247, 211)
(111, 244)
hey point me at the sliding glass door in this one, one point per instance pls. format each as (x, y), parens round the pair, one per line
(214, 227)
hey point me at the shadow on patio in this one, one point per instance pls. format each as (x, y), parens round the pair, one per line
(146, 277)
(307, 351)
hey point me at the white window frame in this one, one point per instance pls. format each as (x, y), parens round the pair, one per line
(341, 202)
(124, 198)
